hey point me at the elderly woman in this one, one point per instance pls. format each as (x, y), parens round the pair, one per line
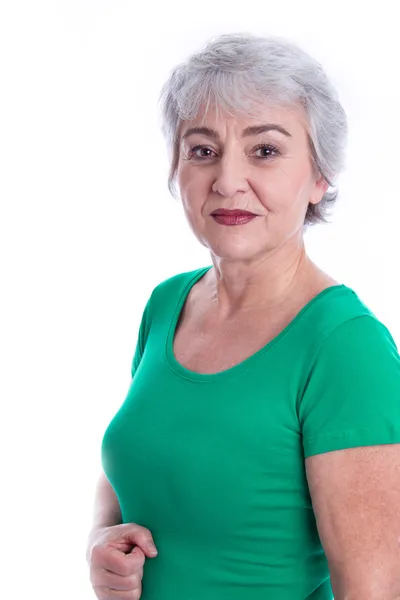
(258, 445)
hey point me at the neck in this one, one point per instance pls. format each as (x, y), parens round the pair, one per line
(237, 286)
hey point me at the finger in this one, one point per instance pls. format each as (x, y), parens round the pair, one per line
(140, 536)
(107, 594)
(102, 578)
(111, 559)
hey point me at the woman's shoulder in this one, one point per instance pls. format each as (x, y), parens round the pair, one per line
(180, 280)
(343, 322)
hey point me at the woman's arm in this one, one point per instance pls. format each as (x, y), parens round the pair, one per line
(106, 510)
(106, 513)
(356, 497)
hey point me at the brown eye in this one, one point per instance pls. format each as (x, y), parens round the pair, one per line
(269, 151)
(205, 149)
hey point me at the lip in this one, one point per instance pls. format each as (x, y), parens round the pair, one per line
(233, 220)
(232, 213)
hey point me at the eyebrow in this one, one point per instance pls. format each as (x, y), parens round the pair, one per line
(253, 130)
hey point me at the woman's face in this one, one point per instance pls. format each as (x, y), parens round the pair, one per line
(228, 169)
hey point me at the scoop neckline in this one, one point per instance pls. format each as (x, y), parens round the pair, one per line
(244, 364)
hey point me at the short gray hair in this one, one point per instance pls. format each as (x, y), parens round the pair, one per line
(235, 72)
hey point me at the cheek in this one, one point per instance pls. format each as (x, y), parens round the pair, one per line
(193, 187)
(193, 199)
(272, 189)
(187, 178)
(281, 186)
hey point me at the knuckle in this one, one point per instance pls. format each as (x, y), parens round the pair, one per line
(133, 582)
(138, 558)
(97, 552)
(101, 593)
(137, 593)
(133, 566)
(94, 577)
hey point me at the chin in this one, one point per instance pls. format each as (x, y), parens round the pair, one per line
(230, 251)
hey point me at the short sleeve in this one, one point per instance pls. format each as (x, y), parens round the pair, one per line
(352, 395)
(141, 338)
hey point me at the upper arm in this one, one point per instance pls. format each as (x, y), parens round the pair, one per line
(350, 420)
(352, 397)
(356, 500)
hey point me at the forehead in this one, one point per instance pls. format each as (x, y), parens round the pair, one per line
(291, 117)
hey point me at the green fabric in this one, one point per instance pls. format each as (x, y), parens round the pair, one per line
(213, 464)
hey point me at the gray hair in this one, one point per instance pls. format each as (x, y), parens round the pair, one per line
(235, 72)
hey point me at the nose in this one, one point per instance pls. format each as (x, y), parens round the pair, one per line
(230, 177)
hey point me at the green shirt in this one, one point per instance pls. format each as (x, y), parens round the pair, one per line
(213, 464)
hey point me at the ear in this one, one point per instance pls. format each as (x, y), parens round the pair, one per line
(320, 187)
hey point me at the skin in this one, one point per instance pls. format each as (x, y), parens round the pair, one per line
(260, 263)
(259, 266)
(356, 497)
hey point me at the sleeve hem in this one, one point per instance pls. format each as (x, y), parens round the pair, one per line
(352, 438)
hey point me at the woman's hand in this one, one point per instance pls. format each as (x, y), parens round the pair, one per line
(116, 556)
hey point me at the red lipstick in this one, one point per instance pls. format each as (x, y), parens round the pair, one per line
(228, 217)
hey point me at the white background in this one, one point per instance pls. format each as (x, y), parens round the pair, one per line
(88, 228)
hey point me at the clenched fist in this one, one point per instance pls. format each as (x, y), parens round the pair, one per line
(116, 556)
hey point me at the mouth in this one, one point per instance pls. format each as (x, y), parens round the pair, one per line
(233, 218)
(223, 212)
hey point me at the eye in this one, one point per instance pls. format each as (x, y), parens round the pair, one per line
(193, 150)
(272, 151)
(269, 148)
